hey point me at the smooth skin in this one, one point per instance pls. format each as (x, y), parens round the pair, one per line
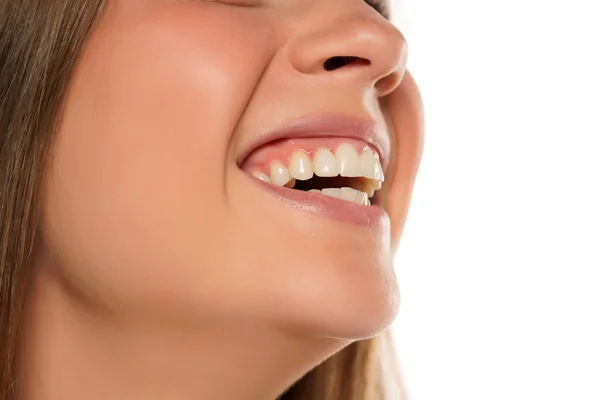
(163, 271)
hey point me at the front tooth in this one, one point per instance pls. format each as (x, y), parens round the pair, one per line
(355, 196)
(348, 194)
(300, 166)
(332, 192)
(371, 166)
(279, 174)
(325, 163)
(349, 162)
(261, 176)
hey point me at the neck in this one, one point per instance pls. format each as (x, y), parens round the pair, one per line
(71, 352)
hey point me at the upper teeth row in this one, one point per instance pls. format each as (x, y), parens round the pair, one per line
(345, 162)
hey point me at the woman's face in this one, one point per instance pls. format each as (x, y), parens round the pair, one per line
(151, 207)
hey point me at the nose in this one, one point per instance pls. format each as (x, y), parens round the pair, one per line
(353, 46)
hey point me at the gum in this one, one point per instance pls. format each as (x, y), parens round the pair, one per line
(260, 159)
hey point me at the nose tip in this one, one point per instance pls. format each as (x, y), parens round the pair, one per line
(365, 50)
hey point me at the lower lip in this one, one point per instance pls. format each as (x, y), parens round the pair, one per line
(373, 216)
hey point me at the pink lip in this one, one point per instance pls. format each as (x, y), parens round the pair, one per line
(373, 216)
(326, 125)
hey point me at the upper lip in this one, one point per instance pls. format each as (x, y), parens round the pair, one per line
(325, 125)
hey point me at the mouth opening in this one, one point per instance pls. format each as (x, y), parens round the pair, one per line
(319, 183)
(354, 189)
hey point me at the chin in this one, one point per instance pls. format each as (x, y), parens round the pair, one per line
(340, 299)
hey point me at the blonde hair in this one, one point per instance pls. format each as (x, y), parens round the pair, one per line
(39, 44)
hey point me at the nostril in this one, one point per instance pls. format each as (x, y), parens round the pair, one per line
(341, 61)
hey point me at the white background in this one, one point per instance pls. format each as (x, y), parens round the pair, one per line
(499, 265)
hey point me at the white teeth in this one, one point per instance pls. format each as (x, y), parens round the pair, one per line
(350, 164)
(332, 192)
(346, 162)
(325, 163)
(300, 166)
(371, 166)
(279, 174)
(362, 198)
(261, 176)
(355, 196)
(345, 193)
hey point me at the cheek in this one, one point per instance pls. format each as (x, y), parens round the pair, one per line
(139, 167)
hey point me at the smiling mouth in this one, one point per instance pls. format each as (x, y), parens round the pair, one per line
(344, 169)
